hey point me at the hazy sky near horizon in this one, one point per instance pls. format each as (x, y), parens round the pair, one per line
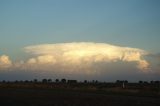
(131, 28)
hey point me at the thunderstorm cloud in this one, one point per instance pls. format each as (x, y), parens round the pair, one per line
(81, 60)
(84, 54)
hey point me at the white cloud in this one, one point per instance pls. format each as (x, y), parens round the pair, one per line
(84, 60)
(5, 62)
(84, 54)
(79, 58)
(44, 59)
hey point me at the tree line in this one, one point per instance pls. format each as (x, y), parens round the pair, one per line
(63, 80)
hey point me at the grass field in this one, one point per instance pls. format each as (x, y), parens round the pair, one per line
(39, 94)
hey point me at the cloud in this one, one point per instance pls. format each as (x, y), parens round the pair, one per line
(44, 59)
(82, 60)
(5, 62)
(72, 56)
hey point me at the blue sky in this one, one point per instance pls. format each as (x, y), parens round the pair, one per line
(128, 23)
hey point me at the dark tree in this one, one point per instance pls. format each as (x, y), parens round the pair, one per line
(49, 80)
(140, 82)
(145, 82)
(63, 80)
(72, 81)
(118, 81)
(57, 80)
(44, 80)
(85, 81)
(26, 81)
(3, 81)
(35, 80)
(125, 81)
(16, 81)
(96, 81)
(157, 82)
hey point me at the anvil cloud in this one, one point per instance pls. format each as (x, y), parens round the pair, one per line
(84, 53)
(79, 60)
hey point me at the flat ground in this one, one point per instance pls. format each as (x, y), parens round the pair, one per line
(44, 95)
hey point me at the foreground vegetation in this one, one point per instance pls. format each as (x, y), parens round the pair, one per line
(73, 93)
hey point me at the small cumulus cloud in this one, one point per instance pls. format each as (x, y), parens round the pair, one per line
(5, 62)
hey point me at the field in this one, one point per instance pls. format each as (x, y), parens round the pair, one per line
(78, 94)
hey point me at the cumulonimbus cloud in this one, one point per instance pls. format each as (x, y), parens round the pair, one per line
(5, 62)
(82, 53)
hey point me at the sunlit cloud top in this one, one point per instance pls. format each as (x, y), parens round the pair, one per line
(82, 60)
(5, 62)
(85, 52)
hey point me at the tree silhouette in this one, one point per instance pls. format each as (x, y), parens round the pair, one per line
(44, 80)
(85, 81)
(26, 81)
(63, 80)
(57, 80)
(118, 81)
(49, 80)
(35, 80)
(72, 81)
(125, 81)
(3, 81)
(157, 82)
(140, 82)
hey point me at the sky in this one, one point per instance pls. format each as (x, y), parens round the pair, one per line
(80, 39)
